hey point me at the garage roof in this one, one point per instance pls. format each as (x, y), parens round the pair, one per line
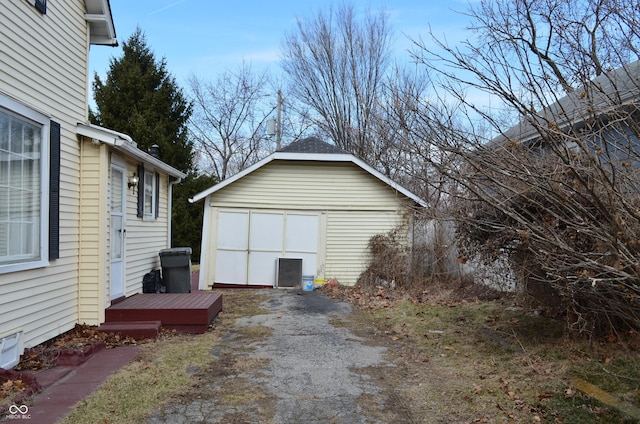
(312, 145)
(310, 149)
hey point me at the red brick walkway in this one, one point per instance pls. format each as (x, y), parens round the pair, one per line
(65, 386)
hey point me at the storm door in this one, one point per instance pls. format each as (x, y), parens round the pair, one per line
(117, 232)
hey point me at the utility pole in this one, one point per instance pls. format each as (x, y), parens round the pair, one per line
(279, 123)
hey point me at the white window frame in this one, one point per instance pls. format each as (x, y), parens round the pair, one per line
(149, 175)
(17, 108)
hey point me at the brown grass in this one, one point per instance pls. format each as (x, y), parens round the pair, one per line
(456, 360)
(164, 370)
(491, 361)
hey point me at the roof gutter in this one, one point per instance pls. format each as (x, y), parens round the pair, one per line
(127, 146)
(102, 31)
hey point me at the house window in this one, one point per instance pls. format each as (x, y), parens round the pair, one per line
(24, 158)
(148, 194)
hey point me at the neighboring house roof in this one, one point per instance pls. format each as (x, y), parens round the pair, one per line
(311, 149)
(601, 96)
(101, 28)
(126, 145)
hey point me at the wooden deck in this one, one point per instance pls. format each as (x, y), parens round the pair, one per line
(186, 312)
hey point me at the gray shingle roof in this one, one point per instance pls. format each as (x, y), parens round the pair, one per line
(602, 95)
(312, 145)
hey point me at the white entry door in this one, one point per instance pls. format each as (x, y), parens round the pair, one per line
(250, 242)
(118, 231)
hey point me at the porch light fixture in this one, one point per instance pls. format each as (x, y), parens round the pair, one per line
(133, 181)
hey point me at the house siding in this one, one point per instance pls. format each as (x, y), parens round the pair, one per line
(93, 222)
(347, 238)
(43, 64)
(145, 237)
(354, 206)
(310, 185)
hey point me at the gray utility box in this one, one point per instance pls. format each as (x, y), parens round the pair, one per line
(289, 272)
(176, 269)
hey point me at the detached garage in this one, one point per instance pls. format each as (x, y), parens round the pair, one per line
(310, 201)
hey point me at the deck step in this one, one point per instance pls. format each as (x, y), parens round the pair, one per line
(185, 312)
(135, 329)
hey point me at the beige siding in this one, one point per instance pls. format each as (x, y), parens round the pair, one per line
(43, 63)
(144, 237)
(356, 205)
(347, 237)
(310, 185)
(93, 221)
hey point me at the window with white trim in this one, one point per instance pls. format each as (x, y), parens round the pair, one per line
(149, 195)
(24, 186)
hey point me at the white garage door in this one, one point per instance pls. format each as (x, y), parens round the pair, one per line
(232, 247)
(250, 242)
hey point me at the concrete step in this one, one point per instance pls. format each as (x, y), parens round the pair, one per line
(135, 329)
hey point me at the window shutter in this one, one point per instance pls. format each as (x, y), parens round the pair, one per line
(41, 5)
(140, 191)
(157, 195)
(54, 190)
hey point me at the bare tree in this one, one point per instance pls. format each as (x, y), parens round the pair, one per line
(557, 189)
(336, 65)
(229, 119)
(399, 148)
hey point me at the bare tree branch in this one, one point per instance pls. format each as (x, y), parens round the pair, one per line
(558, 191)
(229, 119)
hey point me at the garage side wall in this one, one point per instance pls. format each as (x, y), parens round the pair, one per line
(356, 206)
(348, 235)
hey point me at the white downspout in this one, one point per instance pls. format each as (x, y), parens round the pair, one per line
(170, 209)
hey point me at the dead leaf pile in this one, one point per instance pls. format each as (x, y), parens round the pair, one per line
(79, 339)
(14, 387)
(375, 297)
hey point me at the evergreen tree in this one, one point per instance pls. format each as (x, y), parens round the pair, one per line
(187, 229)
(141, 99)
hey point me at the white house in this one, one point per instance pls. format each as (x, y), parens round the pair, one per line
(83, 211)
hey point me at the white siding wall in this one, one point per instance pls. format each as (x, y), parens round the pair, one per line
(43, 63)
(145, 237)
(356, 205)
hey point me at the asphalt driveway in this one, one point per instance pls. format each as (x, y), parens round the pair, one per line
(307, 369)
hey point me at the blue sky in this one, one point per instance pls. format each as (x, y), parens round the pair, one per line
(205, 37)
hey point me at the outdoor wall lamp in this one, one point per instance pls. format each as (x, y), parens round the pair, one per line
(133, 181)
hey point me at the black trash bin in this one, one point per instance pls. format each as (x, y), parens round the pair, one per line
(176, 269)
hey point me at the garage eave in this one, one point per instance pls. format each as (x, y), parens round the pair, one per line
(310, 157)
